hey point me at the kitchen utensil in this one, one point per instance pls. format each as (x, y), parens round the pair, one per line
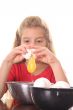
(20, 91)
(52, 98)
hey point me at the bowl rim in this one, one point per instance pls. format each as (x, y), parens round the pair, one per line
(18, 82)
(53, 89)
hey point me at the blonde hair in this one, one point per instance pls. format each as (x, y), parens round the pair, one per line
(29, 22)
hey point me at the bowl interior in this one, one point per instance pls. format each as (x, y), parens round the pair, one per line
(53, 98)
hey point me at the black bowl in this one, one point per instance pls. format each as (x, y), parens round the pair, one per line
(53, 98)
(21, 91)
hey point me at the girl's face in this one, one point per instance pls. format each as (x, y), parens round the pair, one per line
(33, 37)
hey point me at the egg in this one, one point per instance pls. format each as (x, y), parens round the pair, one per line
(60, 84)
(30, 57)
(31, 64)
(42, 83)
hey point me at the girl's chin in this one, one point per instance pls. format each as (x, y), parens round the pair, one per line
(37, 62)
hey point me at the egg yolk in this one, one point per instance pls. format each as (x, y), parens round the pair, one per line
(31, 65)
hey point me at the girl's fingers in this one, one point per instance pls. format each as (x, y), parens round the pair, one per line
(20, 50)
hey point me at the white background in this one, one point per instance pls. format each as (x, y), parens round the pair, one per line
(58, 14)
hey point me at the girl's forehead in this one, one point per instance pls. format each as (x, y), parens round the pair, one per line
(33, 31)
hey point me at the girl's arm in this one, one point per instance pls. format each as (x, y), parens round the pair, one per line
(44, 55)
(4, 70)
(13, 57)
(58, 71)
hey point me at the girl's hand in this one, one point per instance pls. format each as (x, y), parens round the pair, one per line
(43, 54)
(15, 55)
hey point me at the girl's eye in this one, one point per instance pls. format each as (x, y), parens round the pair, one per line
(26, 41)
(39, 41)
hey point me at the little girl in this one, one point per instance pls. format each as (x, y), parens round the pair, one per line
(33, 33)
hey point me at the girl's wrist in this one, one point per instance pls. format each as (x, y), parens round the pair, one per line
(54, 62)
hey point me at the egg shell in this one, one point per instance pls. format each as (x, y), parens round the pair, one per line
(42, 82)
(29, 53)
(60, 84)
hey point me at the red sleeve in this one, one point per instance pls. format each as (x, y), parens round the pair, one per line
(51, 74)
(52, 78)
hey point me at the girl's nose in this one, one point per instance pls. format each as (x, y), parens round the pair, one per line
(32, 44)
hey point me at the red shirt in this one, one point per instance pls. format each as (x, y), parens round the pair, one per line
(19, 72)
